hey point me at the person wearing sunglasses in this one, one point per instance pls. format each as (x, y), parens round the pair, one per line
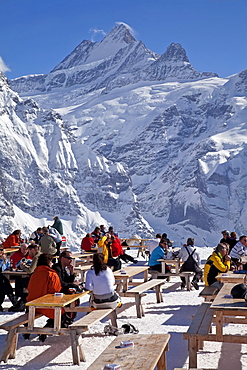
(65, 271)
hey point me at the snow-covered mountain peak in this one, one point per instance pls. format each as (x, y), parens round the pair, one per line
(120, 33)
(174, 53)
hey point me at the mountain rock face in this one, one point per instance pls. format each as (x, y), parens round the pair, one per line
(117, 134)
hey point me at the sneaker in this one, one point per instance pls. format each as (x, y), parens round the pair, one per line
(182, 285)
(195, 285)
(26, 336)
(42, 337)
(135, 261)
(13, 299)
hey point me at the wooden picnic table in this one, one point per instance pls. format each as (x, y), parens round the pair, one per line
(224, 305)
(87, 255)
(149, 350)
(57, 303)
(126, 275)
(230, 277)
(15, 273)
(82, 270)
(169, 261)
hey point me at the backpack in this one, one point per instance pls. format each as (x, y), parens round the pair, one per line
(190, 264)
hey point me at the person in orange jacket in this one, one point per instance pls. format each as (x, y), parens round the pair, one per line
(43, 281)
(12, 240)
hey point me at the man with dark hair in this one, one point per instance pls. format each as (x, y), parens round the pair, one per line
(191, 262)
(65, 270)
(239, 250)
(36, 235)
(159, 253)
(218, 262)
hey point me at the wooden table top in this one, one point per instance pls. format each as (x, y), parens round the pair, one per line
(83, 267)
(130, 271)
(16, 273)
(147, 349)
(230, 277)
(169, 260)
(49, 300)
(11, 250)
(82, 255)
(223, 302)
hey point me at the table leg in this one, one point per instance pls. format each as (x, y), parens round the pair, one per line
(57, 318)
(163, 267)
(145, 275)
(219, 325)
(31, 316)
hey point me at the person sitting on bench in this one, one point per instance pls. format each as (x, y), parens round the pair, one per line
(159, 252)
(100, 281)
(218, 262)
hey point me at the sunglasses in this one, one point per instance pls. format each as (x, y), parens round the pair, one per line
(1, 250)
(68, 258)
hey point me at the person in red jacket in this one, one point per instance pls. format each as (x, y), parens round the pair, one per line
(18, 255)
(12, 240)
(87, 243)
(117, 250)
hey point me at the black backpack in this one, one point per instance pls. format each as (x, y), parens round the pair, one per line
(190, 264)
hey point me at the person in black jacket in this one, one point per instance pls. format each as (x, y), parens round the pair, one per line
(65, 271)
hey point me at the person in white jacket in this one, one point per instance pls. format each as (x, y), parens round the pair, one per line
(100, 281)
(191, 262)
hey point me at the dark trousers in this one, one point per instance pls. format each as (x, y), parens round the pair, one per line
(5, 288)
(20, 284)
(126, 257)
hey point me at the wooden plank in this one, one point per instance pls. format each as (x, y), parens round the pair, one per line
(195, 325)
(89, 320)
(145, 355)
(144, 287)
(14, 323)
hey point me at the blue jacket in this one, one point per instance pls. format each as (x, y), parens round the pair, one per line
(158, 253)
(4, 265)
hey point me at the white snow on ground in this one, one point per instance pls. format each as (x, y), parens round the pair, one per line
(172, 316)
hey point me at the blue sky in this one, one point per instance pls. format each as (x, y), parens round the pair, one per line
(37, 35)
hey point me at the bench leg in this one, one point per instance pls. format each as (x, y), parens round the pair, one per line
(77, 352)
(11, 342)
(13, 345)
(113, 316)
(139, 308)
(159, 296)
(193, 348)
(187, 280)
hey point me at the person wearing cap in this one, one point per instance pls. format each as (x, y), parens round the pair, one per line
(239, 250)
(159, 252)
(58, 225)
(225, 237)
(217, 263)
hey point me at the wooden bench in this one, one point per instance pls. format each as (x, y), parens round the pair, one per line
(199, 331)
(11, 326)
(137, 291)
(186, 274)
(82, 325)
(149, 350)
(209, 293)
